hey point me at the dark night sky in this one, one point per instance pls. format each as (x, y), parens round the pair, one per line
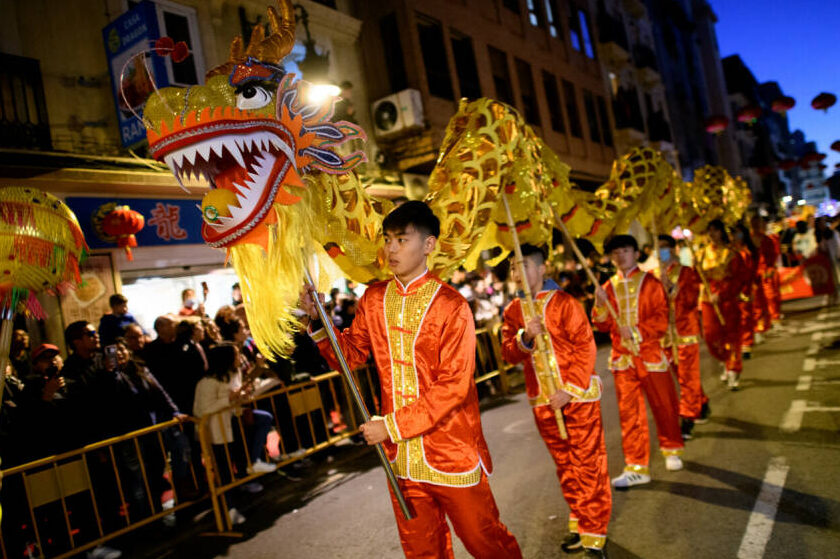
(793, 42)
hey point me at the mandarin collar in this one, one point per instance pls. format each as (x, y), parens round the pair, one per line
(630, 274)
(413, 284)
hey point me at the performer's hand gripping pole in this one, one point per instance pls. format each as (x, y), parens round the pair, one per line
(357, 396)
(544, 351)
(634, 348)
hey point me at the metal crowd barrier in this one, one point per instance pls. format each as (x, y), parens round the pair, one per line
(489, 364)
(307, 417)
(65, 504)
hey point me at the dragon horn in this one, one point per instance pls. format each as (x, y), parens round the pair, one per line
(282, 38)
(272, 49)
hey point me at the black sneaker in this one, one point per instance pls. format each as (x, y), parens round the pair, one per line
(572, 543)
(746, 355)
(686, 426)
(592, 553)
(705, 412)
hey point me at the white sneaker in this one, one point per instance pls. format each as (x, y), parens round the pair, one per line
(673, 463)
(102, 552)
(724, 375)
(759, 338)
(260, 467)
(732, 380)
(236, 517)
(629, 479)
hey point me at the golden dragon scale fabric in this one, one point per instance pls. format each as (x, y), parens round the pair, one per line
(487, 149)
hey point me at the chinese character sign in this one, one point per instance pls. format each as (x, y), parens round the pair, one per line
(167, 221)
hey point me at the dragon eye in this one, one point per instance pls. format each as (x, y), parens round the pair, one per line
(252, 97)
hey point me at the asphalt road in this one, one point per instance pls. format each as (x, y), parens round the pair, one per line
(760, 479)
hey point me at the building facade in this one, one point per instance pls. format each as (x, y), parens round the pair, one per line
(64, 130)
(539, 56)
(690, 66)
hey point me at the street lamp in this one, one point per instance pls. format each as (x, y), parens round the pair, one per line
(314, 66)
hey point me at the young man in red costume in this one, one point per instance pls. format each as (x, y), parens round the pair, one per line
(581, 459)
(742, 242)
(682, 285)
(766, 290)
(638, 362)
(725, 271)
(422, 336)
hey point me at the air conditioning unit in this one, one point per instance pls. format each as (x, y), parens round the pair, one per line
(416, 186)
(397, 113)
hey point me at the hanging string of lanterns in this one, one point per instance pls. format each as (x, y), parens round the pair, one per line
(823, 101)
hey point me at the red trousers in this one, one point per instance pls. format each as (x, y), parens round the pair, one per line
(581, 462)
(687, 370)
(724, 342)
(761, 308)
(747, 324)
(773, 292)
(631, 388)
(472, 511)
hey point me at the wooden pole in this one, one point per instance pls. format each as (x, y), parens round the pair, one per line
(544, 350)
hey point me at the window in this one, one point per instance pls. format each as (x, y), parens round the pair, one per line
(579, 31)
(572, 109)
(605, 121)
(501, 75)
(527, 92)
(534, 16)
(591, 116)
(462, 51)
(23, 108)
(180, 23)
(551, 18)
(552, 97)
(392, 49)
(434, 57)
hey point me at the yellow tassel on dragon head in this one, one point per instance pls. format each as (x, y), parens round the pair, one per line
(250, 132)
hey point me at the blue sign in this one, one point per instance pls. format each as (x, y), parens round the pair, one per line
(133, 76)
(167, 221)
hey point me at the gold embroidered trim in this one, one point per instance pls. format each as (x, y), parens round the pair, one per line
(637, 468)
(404, 313)
(592, 394)
(573, 525)
(593, 541)
(391, 427)
(671, 451)
(521, 343)
(318, 335)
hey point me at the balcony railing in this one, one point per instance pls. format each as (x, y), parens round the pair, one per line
(23, 109)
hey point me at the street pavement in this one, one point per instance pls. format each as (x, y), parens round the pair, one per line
(760, 479)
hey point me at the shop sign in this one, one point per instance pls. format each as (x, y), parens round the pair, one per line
(167, 221)
(133, 32)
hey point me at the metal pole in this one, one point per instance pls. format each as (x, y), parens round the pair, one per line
(357, 396)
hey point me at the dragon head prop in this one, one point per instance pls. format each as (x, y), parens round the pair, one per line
(251, 132)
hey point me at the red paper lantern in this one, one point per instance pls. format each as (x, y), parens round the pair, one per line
(783, 104)
(122, 222)
(823, 101)
(749, 114)
(835, 145)
(787, 164)
(716, 124)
